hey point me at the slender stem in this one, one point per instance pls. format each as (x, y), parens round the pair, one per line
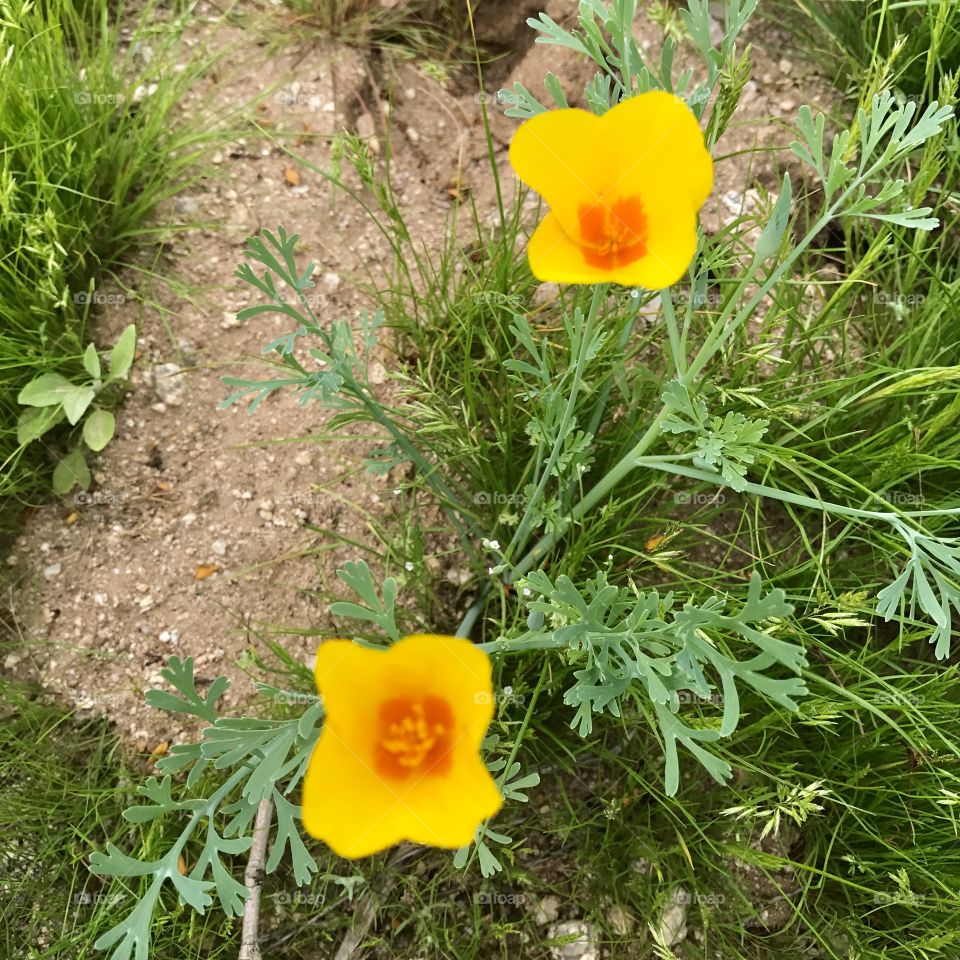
(761, 490)
(596, 493)
(518, 644)
(528, 716)
(566, 422)
(475, 608)
(722, 330)
(676, 341)
(253, 880)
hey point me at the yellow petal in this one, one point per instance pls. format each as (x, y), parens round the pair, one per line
(452, 668)
(659, 145)
(554, 256)
(671, 243)
(449, 809)
(348, 801)
(350, 678)
(560, 155)
(572, 157)
(346, 804)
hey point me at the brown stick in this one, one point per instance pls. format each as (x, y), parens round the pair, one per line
(253, 879)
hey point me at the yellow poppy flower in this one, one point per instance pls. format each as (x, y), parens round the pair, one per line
(623, 189)
(398, 757)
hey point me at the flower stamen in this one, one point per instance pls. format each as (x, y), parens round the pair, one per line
(413, 735)
(614, 234)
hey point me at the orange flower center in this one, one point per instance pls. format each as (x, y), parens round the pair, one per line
(414, 735)
(613, 234)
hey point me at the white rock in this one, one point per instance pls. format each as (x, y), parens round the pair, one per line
(53, 570)
(733, 201)
(332, 281)
(219, 547)
(169, 386)
(186, 205)
(547, 910)
(143, 91)
(672, 926)
(621, 923)
(585, 947)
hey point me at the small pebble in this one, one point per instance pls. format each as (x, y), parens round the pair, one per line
(546, 911)
(169, 386)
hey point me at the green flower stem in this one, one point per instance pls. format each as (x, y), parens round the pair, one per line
(586, 335)
(476, 608)
(677, 352)
(520, 644)
(604, 486)
(431, 474)
(515, 749)
(725, 326)
(212, 804)
(785, 496)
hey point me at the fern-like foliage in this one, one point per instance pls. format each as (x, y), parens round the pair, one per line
(261, 759)
(725, 444)
(625, 642)
(512, 785)
(885, 136)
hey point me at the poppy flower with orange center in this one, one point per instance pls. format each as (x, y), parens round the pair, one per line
(623, 189)
(399, 754)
